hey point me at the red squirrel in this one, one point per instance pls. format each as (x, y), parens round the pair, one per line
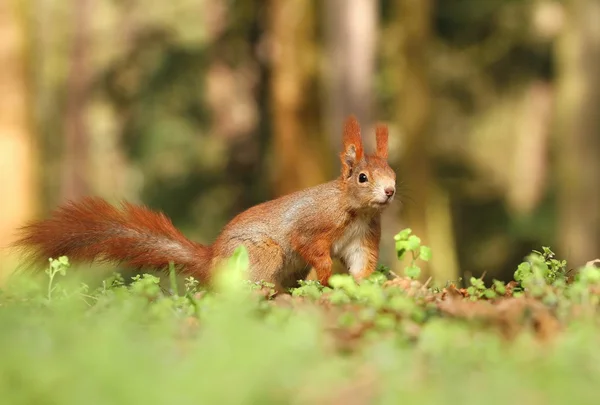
(284, 237)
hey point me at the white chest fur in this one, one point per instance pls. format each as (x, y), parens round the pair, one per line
(350, 246)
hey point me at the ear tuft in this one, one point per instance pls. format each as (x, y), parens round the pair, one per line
(352, 136)
(381, 135)
(353, 148)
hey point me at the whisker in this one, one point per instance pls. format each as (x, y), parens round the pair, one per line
(404, 196)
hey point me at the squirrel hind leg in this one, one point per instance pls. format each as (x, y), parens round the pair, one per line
(266, 260)
(267, 263)
(298, 271)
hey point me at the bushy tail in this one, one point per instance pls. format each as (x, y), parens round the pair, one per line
(94, 230)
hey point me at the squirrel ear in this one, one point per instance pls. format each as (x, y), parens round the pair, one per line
(353, 148)
(381, 135)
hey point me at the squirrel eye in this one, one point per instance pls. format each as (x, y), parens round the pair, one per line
(362, 178)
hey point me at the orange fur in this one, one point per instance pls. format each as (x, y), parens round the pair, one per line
(372, 246)
(92, 229)
(381, 136)
(353, 149)
(315, 250)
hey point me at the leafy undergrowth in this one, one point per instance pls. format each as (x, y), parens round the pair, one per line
(388, 340)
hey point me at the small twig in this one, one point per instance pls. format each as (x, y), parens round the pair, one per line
(394, 274)
(427, 282)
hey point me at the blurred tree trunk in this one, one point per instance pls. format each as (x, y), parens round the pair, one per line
(427, 211)
(350, 29)
(17, 160)
(299, 161)
(74, 176)
(350, 38)
(414, 110)
(578, 137)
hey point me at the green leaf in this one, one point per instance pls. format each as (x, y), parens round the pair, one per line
(240, 259)
(344, 282)
(403, 234)
(477, 283)
(413, 242)
(400, 249)
(339, 297)
(500, 287)
(412, 271)
(523, 271)
(489, 293)
(230, 278)
(425, 253)
(589, 274)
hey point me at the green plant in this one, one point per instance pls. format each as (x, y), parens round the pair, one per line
(406, 243)
(478, 290)
(541, 268)
(56, 266)
(309, 288)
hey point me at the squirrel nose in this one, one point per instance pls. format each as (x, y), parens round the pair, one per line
(389, 191)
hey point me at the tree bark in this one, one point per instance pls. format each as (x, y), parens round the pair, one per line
(578, 132)
(17, 150)
(298, 159)
(414, 113)
(74, 176)
(350, 39)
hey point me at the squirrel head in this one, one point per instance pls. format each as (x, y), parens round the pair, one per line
(369, 180)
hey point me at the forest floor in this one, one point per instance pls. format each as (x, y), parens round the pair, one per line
(390, 339)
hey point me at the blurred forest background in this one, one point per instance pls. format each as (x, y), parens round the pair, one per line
(202, 108)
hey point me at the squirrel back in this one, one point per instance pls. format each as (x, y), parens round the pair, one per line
(285, 237)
